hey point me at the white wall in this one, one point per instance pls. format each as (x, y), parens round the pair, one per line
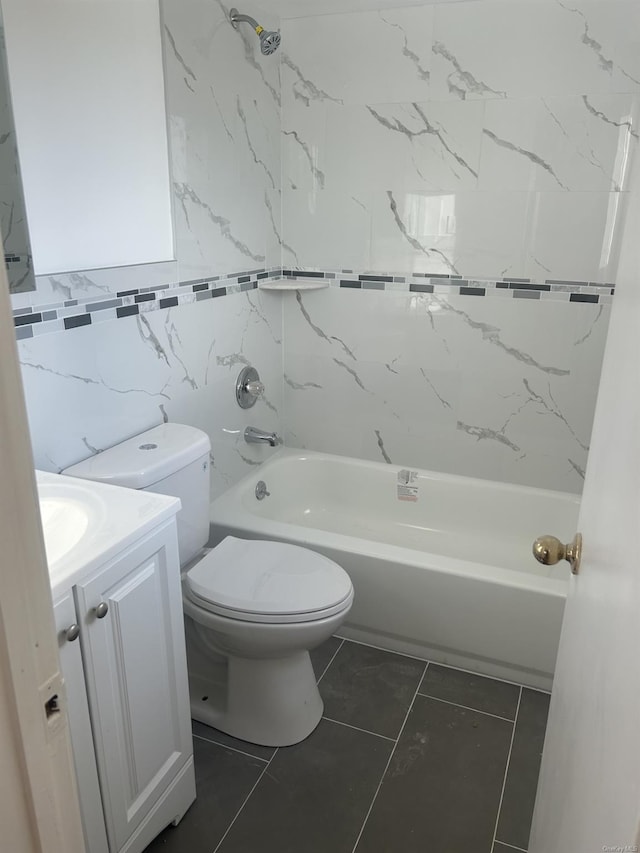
(13, 217)
(89, 388)
(224, 120)
(486, 386)
(491, 387)
(480, 139)
(88, 96)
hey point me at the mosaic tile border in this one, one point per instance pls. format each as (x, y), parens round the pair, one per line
(517, 288)
(48, 318)
(70, 314)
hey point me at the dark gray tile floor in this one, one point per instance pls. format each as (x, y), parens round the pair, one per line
(410, 757)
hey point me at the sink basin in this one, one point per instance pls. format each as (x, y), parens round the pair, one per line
(69, 511)
(86, 523)
(64, 523)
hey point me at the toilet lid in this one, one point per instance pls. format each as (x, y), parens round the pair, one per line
(268, 579)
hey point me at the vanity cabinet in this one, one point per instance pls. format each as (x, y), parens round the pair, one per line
(68, 630)
(127, 690)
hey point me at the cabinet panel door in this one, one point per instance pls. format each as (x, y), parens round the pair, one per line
(95, 834)
(135, 667)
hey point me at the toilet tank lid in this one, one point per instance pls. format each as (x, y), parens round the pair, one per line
(145, 459)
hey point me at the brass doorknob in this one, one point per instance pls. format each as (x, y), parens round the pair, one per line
(548, 550)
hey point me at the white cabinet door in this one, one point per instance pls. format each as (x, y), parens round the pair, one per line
(95, 834)
(136, 673)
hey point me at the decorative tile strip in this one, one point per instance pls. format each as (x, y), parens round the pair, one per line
(516, 288)
(86, 311)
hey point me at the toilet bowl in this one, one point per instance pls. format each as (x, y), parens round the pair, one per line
(254, 608)
(262, 605)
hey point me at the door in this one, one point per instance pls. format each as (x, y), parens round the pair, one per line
(95, 834)
(130, 614)
(39, 803)
(589, 791)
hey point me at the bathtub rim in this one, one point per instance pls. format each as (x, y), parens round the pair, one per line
(302, 455)
(229, 511)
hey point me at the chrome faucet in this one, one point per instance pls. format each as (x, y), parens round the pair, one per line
(253, 435)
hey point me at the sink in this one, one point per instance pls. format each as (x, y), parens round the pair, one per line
(70, 511)
(64, 523)
(86, 523)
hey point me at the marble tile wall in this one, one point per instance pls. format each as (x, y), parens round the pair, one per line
(90, 387)
(13, 216)
(467, 139)
(479, 138)
(498, 388)
(223, 101)
(56, 290)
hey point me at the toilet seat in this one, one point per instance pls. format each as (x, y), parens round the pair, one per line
(262, 581)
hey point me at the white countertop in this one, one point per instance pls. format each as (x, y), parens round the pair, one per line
(85, 524)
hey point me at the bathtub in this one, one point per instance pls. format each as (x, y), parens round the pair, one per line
(441, 565)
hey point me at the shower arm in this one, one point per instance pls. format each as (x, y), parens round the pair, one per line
(269, 41)
(237, 18)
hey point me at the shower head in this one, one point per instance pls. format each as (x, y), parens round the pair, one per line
(269, 39)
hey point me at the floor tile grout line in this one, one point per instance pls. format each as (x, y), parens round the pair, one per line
(510, 846)
(469, 708)
(383, 649)
(246, 800)
(384, 772)
(445, 665)
(232, 748)
(333, 657)
(506, 771)
(358, 729)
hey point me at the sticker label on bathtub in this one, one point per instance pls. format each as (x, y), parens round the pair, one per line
(406, 489)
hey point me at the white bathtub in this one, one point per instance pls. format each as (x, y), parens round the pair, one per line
(441, 565)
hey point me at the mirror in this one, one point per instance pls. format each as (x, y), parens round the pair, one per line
(13, 216)
(86, 89)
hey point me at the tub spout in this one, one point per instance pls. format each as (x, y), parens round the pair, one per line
(253, 435)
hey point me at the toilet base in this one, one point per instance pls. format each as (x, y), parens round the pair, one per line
(267, 702)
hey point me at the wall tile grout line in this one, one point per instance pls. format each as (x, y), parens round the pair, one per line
(511, 846)
(506, 770)
(246, 800)
(358, 729)
(384, 772)
(469, 708)
(232, 748)
(333, 657)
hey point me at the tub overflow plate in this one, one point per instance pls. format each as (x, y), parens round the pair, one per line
(261, 490)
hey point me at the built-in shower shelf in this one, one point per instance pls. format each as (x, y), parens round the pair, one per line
(289, 284)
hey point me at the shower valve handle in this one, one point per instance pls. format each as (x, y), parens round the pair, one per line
(248, 387)
(255, 388)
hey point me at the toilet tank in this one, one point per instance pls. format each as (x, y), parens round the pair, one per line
(171, 459)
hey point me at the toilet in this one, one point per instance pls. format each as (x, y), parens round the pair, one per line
(253, 608)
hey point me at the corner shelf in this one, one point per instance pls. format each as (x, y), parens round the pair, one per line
(289, 284)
